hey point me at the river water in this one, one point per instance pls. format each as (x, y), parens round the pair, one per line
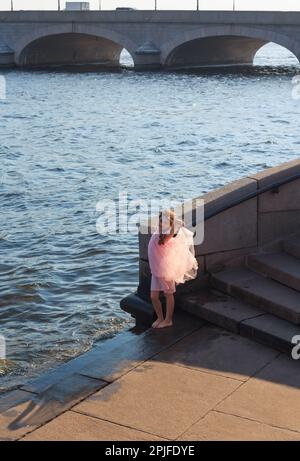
(71, 140)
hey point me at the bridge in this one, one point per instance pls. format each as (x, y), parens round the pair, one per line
(154, 39)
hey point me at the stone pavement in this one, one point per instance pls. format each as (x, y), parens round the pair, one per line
(190, 382)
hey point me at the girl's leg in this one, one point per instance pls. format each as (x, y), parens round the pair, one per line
(168, 322)
(157, 307)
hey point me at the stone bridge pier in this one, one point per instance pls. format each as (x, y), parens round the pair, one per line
(154, 39)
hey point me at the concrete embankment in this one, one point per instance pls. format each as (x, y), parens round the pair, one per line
(249, 277)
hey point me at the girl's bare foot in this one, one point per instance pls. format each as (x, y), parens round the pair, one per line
(156, 323)
(165, 323)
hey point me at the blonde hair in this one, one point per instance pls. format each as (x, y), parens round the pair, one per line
(170, 215)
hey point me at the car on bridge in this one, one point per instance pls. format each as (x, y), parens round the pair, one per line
(125, 8)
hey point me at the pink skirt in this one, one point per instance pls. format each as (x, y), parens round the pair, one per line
(160, 284)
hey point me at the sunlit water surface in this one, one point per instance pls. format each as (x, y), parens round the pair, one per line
(70, 140)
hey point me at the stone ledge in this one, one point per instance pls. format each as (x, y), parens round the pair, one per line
(277, 173)
(21, 412)
(219, 309)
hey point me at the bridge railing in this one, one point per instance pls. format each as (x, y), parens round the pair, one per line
(253, 5)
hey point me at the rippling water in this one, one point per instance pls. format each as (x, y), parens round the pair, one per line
(69, 140)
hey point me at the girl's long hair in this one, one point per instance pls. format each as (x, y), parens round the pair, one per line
(170, 216)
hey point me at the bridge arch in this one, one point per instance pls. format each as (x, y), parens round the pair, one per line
(69, 44)
(222, 45)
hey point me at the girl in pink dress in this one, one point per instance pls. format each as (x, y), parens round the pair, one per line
(172, 261)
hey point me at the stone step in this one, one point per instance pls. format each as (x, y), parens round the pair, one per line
(218, 308)
(292, 246)
(272, 331)
(260, 291)
(241, 318)
(281, 267)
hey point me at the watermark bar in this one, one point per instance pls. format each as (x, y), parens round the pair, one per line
(296, 87)
(124, 216)
(2, 88)
(296, 348)
(2, 348)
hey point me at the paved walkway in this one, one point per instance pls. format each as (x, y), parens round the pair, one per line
(190, 382)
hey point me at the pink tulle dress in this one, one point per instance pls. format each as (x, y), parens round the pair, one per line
(173, 262)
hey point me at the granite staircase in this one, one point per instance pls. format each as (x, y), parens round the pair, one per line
(259, 300)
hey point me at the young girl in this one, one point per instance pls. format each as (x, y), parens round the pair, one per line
(172, 261)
